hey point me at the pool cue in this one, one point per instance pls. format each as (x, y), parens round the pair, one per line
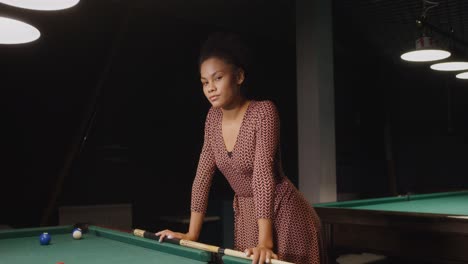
(201, 246)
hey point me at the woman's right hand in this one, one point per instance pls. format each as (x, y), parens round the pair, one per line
(171, 234)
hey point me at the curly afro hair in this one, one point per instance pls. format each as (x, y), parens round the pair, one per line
(228, 47)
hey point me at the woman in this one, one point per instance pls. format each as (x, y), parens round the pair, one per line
(242, 141)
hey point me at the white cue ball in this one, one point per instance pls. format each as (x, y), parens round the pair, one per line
(76, 234)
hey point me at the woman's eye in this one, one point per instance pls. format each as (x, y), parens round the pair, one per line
(219, 78)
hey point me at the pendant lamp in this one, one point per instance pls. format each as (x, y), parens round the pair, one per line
(450, 66)
(425, 51)
(16, 32)
(463, 75)
(43, 5)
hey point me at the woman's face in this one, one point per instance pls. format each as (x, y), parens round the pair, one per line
(221, 82)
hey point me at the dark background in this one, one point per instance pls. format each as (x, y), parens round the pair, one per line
(386, 105)
(140, 61)
(137, 63)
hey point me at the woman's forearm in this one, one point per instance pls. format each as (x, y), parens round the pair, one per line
(265, 233)
(196, 222)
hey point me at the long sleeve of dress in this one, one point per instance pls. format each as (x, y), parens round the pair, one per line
(267, 140)
(206, 168)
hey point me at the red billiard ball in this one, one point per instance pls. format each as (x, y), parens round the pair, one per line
(44, 239)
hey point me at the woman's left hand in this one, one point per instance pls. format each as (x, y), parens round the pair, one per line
(261, 254)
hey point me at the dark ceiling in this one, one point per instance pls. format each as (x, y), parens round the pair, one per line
(390, 25)
(86, 32)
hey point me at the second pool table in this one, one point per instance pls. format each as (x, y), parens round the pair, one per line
(428, 227)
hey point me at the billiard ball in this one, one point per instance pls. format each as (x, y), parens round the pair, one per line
(77, 233)
(44, 239)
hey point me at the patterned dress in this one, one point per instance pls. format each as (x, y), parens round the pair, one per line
(253, 169)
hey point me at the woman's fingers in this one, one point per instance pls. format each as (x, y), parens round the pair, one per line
(256, 256)
(162, 235)
(162, 232)
(170, 235)
(267, 257)
(274, 256)
(260, 255)
(165, 233)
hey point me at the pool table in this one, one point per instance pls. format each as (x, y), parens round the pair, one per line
(426, 227)
(98, 245)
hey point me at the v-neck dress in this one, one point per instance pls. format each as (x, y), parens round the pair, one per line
(253, 169)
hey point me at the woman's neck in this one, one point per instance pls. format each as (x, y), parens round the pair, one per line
(236, 109)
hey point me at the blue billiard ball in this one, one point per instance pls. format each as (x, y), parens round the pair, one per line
(44, 239)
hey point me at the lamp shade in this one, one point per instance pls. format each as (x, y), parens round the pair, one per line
(450, 66)
(425, 51)
(16, 32)
(425, 55)
(463, 75)
(43, 5)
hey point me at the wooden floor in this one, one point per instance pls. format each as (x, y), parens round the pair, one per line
(367, 258)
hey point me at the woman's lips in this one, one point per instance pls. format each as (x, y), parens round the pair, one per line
(214, 97)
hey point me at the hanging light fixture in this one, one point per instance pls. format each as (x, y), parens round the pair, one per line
(43, 5)
(426, 48)
(16, 32)
(456, 62)
(450, 66)
(425, 51)
(463, 75)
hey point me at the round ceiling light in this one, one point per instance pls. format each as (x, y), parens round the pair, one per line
(43, 5)
(16, 32)
(425, 55)
(463, 75)
(425, 51)
(450, 66)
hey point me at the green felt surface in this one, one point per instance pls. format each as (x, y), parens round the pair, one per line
(449, 203)
(98, 246)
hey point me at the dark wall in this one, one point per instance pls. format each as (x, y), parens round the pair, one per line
(143, 145)
(394, 119)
